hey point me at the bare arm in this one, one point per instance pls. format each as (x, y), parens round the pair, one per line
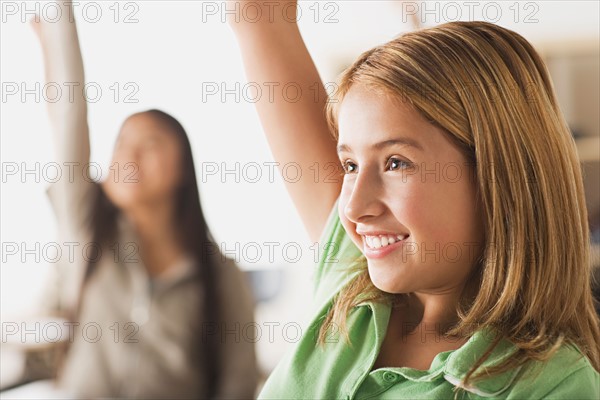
(297, 132)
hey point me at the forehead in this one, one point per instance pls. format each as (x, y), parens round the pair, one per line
(142, 126)
(368, 116)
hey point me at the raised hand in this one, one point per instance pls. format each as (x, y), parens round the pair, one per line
(35, 24)
(63, 66)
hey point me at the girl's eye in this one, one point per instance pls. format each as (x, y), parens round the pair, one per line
(395, 163)
(349, 167)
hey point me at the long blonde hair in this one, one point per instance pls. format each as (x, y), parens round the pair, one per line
(490, 91)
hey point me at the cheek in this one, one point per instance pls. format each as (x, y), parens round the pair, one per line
(161, 169)
(455, 210)
(432, 209)
(121, 179)
(444, 220)
(344, 198)
(117, 164)
(408, 202)
(123, 169)
(348, 225)
(119, 191)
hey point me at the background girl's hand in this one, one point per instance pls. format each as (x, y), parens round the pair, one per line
(35, 24)
(63, 63)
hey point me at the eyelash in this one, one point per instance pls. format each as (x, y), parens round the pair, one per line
(391, 159)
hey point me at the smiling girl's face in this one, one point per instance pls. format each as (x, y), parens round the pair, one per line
(406, 183)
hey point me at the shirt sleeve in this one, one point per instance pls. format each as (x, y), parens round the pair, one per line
(74, 236)
(63, 63)
(72, 194)
(339, 258)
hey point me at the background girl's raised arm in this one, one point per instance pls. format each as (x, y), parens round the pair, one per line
(64, 67)
(295, 126)
(72, 195)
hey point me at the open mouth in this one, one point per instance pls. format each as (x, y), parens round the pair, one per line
(382, 241)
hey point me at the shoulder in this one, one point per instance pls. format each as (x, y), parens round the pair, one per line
(337, 257)
(567, 374)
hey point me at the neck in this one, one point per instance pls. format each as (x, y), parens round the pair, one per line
(437, 311)
(431, 313)
(159, 244)
(153, 222)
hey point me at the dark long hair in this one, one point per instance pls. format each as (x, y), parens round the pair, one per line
(194, 236)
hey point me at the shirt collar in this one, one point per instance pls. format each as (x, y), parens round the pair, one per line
(455, 364)
(461, 360)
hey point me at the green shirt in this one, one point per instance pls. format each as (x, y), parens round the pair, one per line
(343, 371)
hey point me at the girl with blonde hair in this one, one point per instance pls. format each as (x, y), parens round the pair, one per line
(458, 262)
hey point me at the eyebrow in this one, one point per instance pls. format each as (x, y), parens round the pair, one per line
(387, 143)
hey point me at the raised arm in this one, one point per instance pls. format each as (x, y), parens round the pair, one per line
(297, 132)
(64, 68)
(72, 195)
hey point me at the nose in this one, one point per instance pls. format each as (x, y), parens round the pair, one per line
(130, 154)
(365, 198)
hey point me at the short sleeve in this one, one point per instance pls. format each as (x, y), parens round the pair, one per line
(338, 258)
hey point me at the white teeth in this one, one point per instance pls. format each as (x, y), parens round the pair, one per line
(377, 242)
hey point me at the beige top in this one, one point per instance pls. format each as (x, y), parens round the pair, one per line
(134, 334)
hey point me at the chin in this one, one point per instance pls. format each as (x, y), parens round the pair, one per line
(125, 199)
(388, 281)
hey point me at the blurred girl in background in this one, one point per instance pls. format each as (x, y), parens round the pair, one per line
(154, 281)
